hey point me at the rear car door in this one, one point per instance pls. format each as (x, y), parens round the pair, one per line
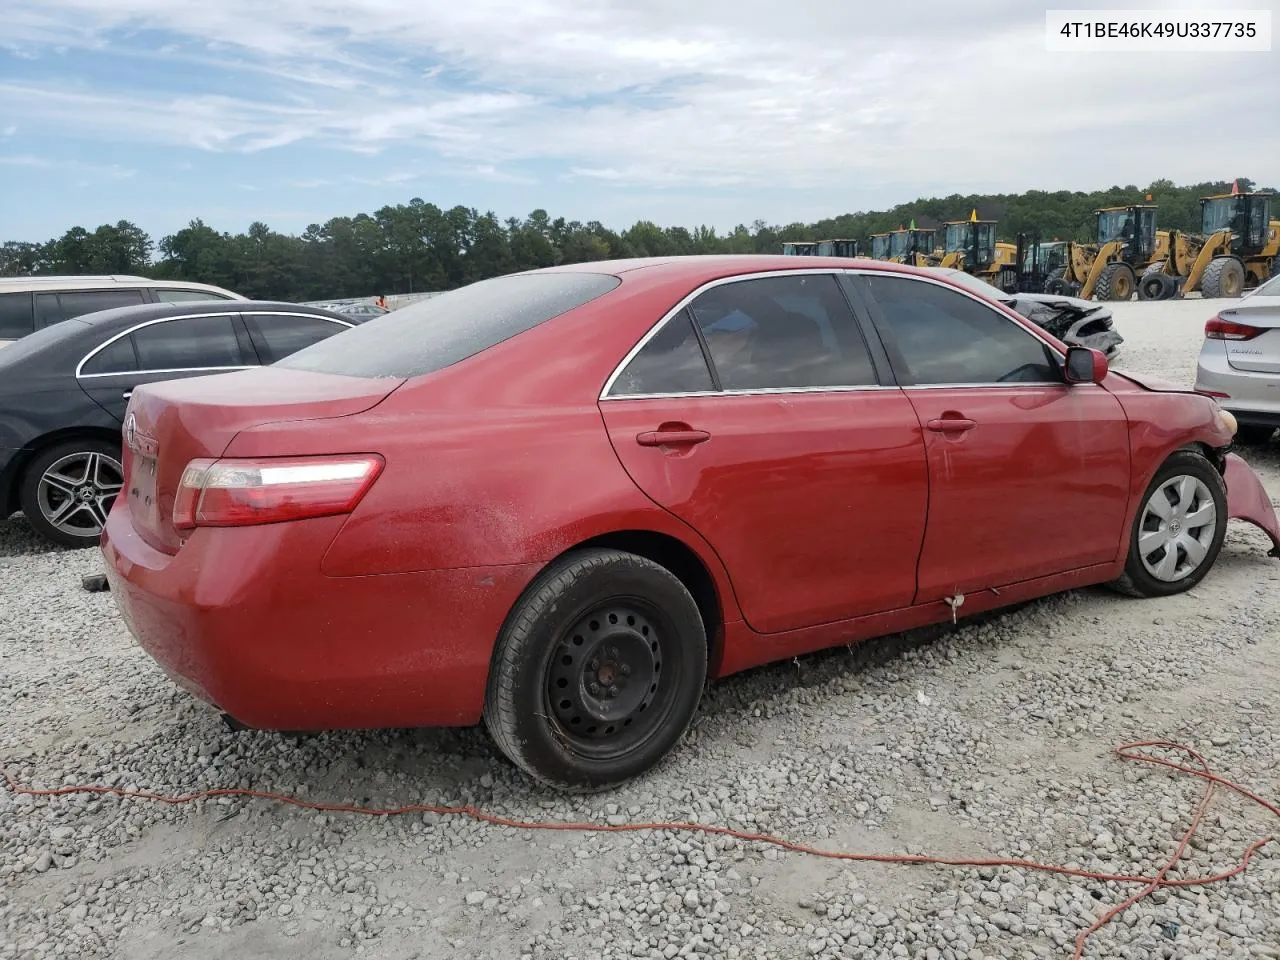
(1028, 475)
(169, 349)
(276, 335)
(755, 414)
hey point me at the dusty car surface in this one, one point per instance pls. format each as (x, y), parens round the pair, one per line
(1239, 362)
(1087, 323)
(558, 501)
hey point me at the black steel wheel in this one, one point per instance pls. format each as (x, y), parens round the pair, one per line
(598, 671)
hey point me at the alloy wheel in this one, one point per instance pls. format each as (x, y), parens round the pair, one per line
(75, 492)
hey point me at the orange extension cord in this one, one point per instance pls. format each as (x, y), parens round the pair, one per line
(1127, 751)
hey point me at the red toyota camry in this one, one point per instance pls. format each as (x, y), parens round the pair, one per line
(560, 500)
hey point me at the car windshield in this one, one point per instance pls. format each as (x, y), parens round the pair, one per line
(1114, 225)
(432, 334)
(1218, 215)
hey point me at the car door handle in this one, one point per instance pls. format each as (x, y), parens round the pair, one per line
(951, 424)
(127, 394)
(662, 438)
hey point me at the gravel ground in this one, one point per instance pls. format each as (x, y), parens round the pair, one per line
(992, 739)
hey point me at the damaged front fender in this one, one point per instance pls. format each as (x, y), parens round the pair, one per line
(1248, 500)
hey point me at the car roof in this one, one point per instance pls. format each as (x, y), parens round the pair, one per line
(139, 313)
(710, 266)
(70, 282)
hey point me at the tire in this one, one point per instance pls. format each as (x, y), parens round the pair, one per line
(1156, 286)
(1224, 277)
(595, 618)
(68, 489)
(1147, 577)
(1116, 282)
(1253, 435)
(1054, 283)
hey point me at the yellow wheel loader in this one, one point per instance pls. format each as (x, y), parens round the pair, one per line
(1238, 248)
(1108, 269)
(970, 245)
(912, 246)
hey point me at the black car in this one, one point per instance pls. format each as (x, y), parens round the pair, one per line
(64, 389)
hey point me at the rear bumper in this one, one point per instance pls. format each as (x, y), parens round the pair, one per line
(1254, 398)
(244, 619)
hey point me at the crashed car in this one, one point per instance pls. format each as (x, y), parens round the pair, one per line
(1070, 319)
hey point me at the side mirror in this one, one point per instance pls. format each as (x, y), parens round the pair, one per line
(1085, 365)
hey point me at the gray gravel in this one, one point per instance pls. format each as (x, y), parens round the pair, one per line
(990, 740)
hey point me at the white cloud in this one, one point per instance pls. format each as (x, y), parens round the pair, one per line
(113, 171)
(721, 93)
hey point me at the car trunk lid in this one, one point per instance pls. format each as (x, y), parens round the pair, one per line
(171, 423)
(1259, 353)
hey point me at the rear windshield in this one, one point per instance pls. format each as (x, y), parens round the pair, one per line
(432, 334)
(1269, 289)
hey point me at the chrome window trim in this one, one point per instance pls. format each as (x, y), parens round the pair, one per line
(80, 375)
(832, 271)
(688, 299)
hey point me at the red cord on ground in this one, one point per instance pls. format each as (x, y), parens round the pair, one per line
(1127, 751)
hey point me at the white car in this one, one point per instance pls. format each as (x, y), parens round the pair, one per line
(28, 304)
(1239, 361)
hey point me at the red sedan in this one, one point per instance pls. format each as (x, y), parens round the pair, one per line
(559, 501)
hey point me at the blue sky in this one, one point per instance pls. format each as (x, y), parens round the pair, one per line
(719, 112)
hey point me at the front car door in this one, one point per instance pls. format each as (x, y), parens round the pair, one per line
(755, 414)
(168, 349)
(1029, 476)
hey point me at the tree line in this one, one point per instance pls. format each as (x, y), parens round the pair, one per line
(418, 246)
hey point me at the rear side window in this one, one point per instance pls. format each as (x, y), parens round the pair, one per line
(117, 357)
(277, 335)
(435, 333)
(15, 315)
(672, 362)
(190, 343)
(56, 307)
(186, 296)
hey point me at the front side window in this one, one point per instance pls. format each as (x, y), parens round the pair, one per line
(671, 362)
(782, 332)
(943, 336)
(188, 343)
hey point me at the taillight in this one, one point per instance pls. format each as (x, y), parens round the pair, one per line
(1219, 329)
(231, 493)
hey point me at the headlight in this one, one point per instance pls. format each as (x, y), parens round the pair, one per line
(1228, 420)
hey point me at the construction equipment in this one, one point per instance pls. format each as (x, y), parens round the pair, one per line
(880, 246)
(1036, 261)
(1238, 248)
(800, 249)
(837, 248)
(820, 248)
(970, 245)
(1127, 242)
(912, 246)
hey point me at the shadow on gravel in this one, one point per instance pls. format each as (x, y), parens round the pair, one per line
(17, 539)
